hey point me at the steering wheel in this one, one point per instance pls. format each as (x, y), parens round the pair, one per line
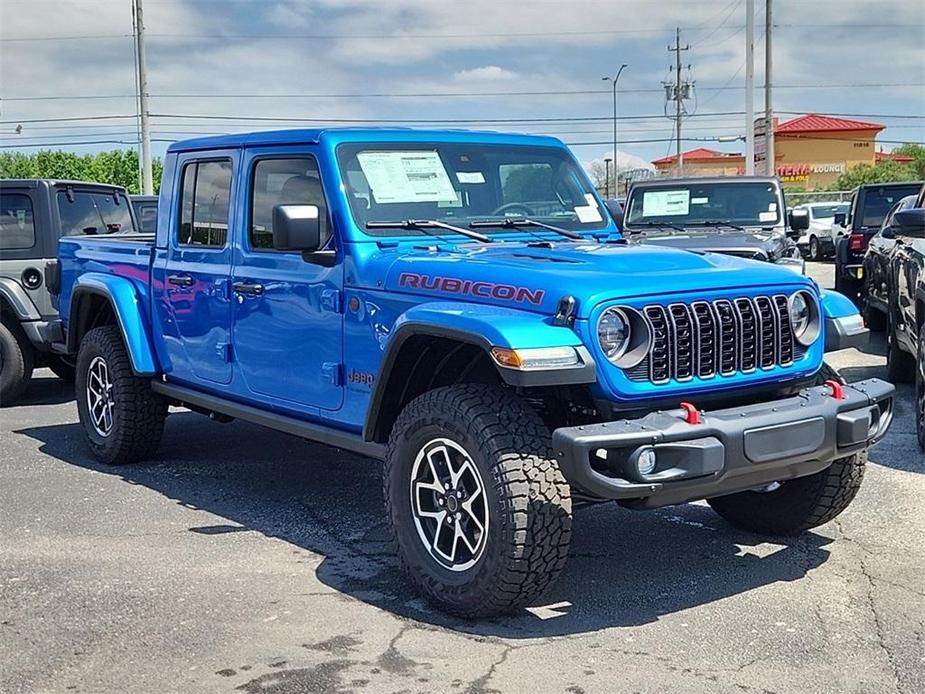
(527, 212)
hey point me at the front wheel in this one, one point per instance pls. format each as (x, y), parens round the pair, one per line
(814, 250)
(121, 416)
(795, 505)
(17, 358)
(477, 505)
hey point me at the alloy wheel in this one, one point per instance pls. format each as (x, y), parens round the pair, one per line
(99, 396)
(449, 504)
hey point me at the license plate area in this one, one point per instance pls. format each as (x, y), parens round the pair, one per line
(781, 441)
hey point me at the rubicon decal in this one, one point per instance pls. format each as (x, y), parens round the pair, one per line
(488, 290)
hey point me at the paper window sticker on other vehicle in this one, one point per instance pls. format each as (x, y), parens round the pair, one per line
(767, 216)
(772, 207)
(412, 176)
(661, 203)
(699, 201)
(470, 177)
(587, 214)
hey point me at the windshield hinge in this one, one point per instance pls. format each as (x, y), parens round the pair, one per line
(565, 312)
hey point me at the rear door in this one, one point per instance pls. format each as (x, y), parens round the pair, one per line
(192, 285)
(288, 322)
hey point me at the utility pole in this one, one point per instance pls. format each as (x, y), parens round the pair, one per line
(147, 179)
(607, 177)
(678, 92)
(614, 81)
(768, 106)
(749, 87)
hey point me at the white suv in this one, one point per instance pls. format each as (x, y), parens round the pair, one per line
(818, 241)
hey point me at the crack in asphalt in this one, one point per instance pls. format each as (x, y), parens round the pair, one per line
(479, 685)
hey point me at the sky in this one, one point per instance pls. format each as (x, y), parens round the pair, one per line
(514, 65)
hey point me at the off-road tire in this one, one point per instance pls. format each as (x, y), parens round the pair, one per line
(529, 502)
(900, 365)
(797, 505)
(138, 413)
(920, 391)
(66, 372)
(17, 359)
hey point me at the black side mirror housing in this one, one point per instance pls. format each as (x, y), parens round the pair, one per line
(910, 223)
(841, 219)
(297, 228)
(616, 211)
(798, 220)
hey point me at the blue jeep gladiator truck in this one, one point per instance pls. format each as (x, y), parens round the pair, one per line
(461, 307)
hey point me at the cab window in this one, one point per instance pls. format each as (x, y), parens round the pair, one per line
(204, 203)
(289, 181)
(17, 222)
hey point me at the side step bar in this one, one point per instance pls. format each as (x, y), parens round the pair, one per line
(290, 425)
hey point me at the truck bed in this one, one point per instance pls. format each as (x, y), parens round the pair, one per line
(123, 255)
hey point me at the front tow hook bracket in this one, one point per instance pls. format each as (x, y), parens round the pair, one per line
(691, 413)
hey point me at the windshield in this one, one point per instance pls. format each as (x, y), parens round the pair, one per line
(828, 211)
(458, 184)
(878, 201)
(692, 204)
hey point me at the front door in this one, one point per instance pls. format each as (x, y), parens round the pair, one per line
(193, 297)
(287, 329)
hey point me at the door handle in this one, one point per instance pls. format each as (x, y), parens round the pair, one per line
(247, 288)
(180, 280)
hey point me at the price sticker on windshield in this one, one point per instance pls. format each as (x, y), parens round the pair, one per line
(662, 203)
(412, 176)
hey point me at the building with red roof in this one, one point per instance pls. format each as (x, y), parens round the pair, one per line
(811, 151)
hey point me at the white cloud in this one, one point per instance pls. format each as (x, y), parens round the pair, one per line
(625, 161)
(489, 73)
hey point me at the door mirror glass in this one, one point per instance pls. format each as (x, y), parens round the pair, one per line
(297, 228)
(910, 223)
(841, 218)
(799, 220)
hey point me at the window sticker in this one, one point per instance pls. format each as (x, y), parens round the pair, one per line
(660, 203)
(699, 201)
(772, 207)
(767, 216)
(470, 177)
(587, 214)
(413, 176)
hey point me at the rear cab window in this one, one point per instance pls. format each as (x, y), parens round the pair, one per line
(17, 222)
(83, 212)
(204, 203)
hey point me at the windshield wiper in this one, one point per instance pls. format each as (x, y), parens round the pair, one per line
(656, 225)
(524, 222)
(426, 224)
(717, 222)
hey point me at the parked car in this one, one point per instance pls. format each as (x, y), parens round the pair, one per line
(818, 241)
(878, 294)
(743, 216)
(33, 215)
(462, 307)
(869, 206)
(145, 207)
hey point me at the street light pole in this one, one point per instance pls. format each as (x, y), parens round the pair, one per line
(614, 80)
(607, 177)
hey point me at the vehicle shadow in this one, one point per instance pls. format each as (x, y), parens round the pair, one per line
(46, 389)
(625, 568)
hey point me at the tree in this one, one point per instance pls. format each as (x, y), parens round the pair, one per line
(917, 152)
(884, 172)
(118, 167)
(597, 170)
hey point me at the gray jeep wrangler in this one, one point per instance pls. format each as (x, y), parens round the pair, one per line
(34, 214)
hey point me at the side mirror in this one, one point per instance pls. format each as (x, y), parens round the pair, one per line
(798, 220)
(910, 223)
(616, 211)
(841, 219)
(297, 228)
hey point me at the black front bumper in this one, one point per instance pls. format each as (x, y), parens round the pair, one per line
(727, 450)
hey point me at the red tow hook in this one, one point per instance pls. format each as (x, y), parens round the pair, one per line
(691, 413)
(838, 392)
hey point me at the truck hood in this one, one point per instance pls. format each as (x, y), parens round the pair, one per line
(758, 244)
(533, 277)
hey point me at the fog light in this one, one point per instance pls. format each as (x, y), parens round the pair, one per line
(645, 461)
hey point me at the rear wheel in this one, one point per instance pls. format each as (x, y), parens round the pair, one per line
(121, 416)
(17, 359)
(796, 505)
(478, 507)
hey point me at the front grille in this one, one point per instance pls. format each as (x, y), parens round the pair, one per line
(703, 338)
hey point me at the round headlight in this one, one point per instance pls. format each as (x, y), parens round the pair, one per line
(613, 333)
(804, 318)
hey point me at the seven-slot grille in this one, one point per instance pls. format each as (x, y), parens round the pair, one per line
(705, 338)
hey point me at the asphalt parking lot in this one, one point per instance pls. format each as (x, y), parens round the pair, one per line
(242, 559)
